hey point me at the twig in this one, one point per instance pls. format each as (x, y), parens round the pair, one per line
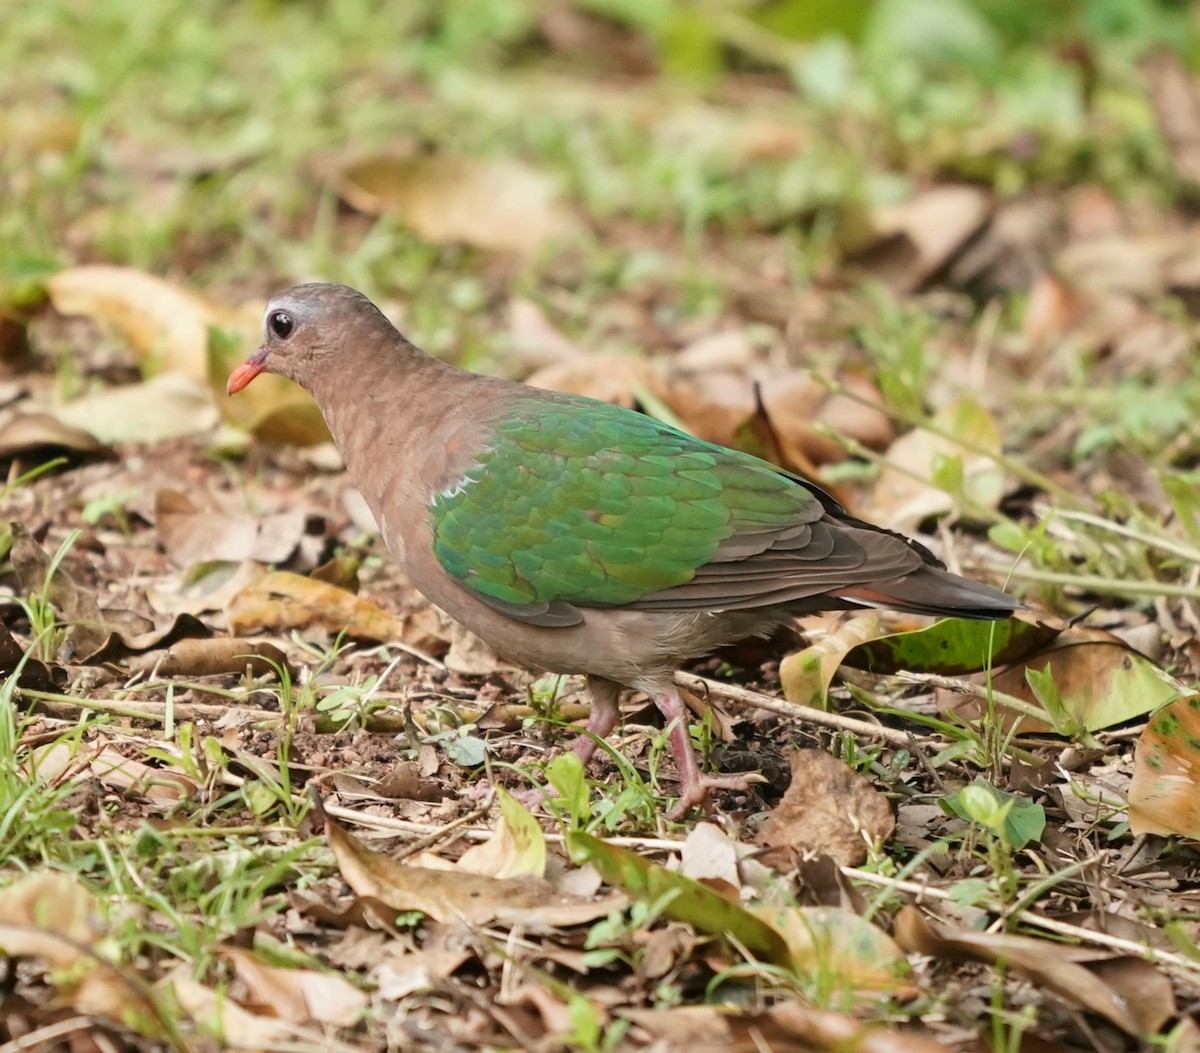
(68, 705)
(789, 709)
(980, 691)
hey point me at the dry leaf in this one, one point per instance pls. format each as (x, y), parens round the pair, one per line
(211, 657)
(152, 315)
(193, 534)
(1164, 796)
(828, 809)
(167, 406)
(282, 600)
(516, 847)
(454, 895)
(26, 433)
(50, 916)
(610, 378)
(224, 1019)
(923, 234)
(806, 675)
(300, 996)
(905, 495)
(1176, 97)
(503, 206)
(1137, 1000)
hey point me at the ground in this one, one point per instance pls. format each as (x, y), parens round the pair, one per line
(942, 258)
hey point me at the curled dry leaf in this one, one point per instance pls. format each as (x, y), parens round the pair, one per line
(503, 206)
(1164, 796)
(300, 996)
(516, 848)
(282, 600)
(806, 675)
(1135, 998)
(456, 895)
(152, 315)
(211, 657)
(828, 809)
(191, 534)
(22, 434)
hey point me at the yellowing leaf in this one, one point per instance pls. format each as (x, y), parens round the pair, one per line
(839, 946)
(516, 847)
(806, 674)
(1164, 796)
(152, 315)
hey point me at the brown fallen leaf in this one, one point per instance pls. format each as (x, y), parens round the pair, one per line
(33, 675)
(918, 238)
(504, 206)
(300, 996)
(1175, 94)
(152, 315)
(828, 809)
(52, 917)
(192, 533)
(1100, 681)
(211, 657)
(454, 895)
(1164, 795)
(282, 600)
(23, 434)
(225, 1020)
(1136, 997)
(610, 378)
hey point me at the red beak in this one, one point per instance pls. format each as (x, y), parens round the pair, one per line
(247, 371)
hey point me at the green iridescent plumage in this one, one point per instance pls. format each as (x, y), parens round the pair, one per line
(596, 506)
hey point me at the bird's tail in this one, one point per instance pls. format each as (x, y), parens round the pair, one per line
(931, 590)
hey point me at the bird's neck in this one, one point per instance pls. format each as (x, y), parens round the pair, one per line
(395, 423)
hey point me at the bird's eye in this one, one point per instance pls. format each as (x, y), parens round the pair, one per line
(281, 325)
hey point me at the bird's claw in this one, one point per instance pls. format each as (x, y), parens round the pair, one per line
(696, 794)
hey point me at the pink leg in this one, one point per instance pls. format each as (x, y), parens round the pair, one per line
(603, 718)
(693, 786)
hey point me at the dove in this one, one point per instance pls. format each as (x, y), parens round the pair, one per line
(578, 537)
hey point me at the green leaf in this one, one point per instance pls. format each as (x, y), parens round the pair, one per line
(689, 901)
(953, 647)
(1015, 820)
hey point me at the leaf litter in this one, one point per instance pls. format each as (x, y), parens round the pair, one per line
(902, 864)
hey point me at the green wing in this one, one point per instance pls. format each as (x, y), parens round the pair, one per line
(581, 504)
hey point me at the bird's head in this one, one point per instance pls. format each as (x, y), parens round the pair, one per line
(304, 327)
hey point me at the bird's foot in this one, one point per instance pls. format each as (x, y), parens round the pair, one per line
(695, 793)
